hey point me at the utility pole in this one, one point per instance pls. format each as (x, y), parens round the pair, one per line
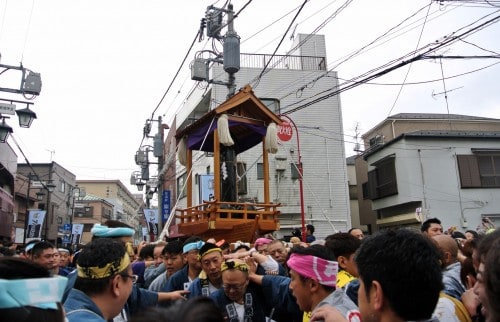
(161, 160)
(231, 52)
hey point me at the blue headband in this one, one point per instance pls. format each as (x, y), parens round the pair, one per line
(29, 247)
(44, 292)
(191, 246)
(104, 231)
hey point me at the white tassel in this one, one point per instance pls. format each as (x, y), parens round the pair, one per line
(271, 140)
(182, 152)
(223, 131)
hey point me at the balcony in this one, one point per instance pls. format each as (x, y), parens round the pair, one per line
(283, 62)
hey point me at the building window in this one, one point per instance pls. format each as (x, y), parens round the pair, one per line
(84, 211)
(241, 171)
(62, 186)
(480, 170)
(106, 213)
(260, 171)
(181, 185)
(489, 170)
(382, 181)
(272, 104)
(294, 170)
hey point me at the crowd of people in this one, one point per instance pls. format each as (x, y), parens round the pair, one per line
(392, 275)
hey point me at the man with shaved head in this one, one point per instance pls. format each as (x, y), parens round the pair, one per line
(451, 266)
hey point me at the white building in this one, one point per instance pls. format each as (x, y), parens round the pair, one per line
(288, 82)
(451, 175)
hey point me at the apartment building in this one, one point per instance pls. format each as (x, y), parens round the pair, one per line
(288, 81)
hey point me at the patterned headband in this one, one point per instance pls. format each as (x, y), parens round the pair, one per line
(234, 265)
(322, 270)
(211, 250)
(110, 269)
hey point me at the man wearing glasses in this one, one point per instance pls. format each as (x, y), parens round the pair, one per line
(103, 284)
(139, 298)
(238, 300)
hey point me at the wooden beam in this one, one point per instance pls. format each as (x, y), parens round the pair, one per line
(241, 119)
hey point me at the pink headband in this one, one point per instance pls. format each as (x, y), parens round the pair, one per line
(322, 270)
(261, 241)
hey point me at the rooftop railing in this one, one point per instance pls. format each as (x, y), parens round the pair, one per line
(283, 62)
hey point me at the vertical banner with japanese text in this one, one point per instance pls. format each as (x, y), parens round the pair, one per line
(152, 220)
(76, 234)
(145, 233)
(35, 224)
(165, 209)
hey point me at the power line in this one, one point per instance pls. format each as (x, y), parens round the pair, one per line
(409, 67)
(479, 47)
(362, 50)
(314, 32)
(428, 81)
(171, 83)
(448, 40)
(176, 74)
(281, 41)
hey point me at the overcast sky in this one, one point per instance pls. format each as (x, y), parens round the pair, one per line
(105, 65)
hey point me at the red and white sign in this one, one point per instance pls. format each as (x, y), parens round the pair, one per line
(285, 131)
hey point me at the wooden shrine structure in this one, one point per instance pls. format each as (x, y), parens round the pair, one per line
(248, 121)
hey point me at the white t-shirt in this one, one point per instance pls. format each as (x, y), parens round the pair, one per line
(240, 309)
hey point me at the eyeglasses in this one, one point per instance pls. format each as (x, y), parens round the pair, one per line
(133, 277)
(236, 288)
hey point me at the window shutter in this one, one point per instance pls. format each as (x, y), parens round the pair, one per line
(469, 171)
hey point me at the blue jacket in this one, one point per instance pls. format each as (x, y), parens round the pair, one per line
(277, 294)
(138, 268)
(150, 273)
(139, 298)
(79, 308)
(259, 308)
(198, 287)
(177, 280)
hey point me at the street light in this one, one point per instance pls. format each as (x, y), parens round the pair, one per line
(5, 130)
(136, 179)
(40, 195)
(140, 185)
(26, 117)
(50, 186)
